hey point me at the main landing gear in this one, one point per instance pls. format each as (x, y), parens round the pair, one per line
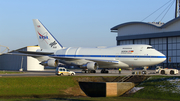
(88, 71)
(94, 71)
(104, 71)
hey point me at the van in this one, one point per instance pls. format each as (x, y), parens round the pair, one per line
(63, 71)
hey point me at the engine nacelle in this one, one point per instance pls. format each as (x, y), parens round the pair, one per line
(50, 63)
(92, 66)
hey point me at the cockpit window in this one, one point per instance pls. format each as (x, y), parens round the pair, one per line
(150, 48)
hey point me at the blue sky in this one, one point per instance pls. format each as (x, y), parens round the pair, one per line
(76, 23)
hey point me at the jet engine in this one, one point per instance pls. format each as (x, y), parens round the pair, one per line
(90, 66)
(50, 63)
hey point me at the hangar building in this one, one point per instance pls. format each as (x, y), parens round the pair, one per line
(164, 37)
(16, 63)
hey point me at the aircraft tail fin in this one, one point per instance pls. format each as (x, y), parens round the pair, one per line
(45, 38)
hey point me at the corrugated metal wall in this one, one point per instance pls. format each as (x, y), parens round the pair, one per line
(13, 62)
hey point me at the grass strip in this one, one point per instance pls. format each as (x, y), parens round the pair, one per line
(159, 87)
(34, 86)
(156, 87)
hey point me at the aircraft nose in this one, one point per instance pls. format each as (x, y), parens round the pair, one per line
(163, 57)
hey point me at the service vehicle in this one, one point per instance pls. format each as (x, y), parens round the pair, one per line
(161, 70)
(63, 71)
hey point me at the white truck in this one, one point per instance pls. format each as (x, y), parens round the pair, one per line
(63, 71)
(160, 70)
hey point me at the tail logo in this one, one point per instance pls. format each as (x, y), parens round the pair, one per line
(42, 36)
(52, 44)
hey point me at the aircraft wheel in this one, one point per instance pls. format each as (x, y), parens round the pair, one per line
(133, 72)
(93, 71)
(106, 71)
(102, 71)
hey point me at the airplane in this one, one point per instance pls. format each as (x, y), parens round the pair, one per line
(51, 53)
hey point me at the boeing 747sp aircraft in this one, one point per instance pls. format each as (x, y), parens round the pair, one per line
(51, 52)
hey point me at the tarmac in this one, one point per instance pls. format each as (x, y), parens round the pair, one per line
(51, 72)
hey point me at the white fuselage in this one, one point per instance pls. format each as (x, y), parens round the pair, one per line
(123, 56)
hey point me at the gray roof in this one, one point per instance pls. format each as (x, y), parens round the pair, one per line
(131, 23)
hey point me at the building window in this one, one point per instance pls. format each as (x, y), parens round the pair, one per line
(160, 44)
(142, 41)
(125, 42)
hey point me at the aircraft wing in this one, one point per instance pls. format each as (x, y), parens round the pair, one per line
(30, 53)
(41, 54)
(94, 60)
(37, 53)
(22, 54)
(101, 63)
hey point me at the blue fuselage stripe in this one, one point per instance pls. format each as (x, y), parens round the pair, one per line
(115, 56)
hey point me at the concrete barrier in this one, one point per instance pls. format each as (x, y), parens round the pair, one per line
(105, 89)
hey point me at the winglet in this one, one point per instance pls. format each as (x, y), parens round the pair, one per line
(45, 38)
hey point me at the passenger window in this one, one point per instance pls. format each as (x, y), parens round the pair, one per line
(60, 69)
(63, 69)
